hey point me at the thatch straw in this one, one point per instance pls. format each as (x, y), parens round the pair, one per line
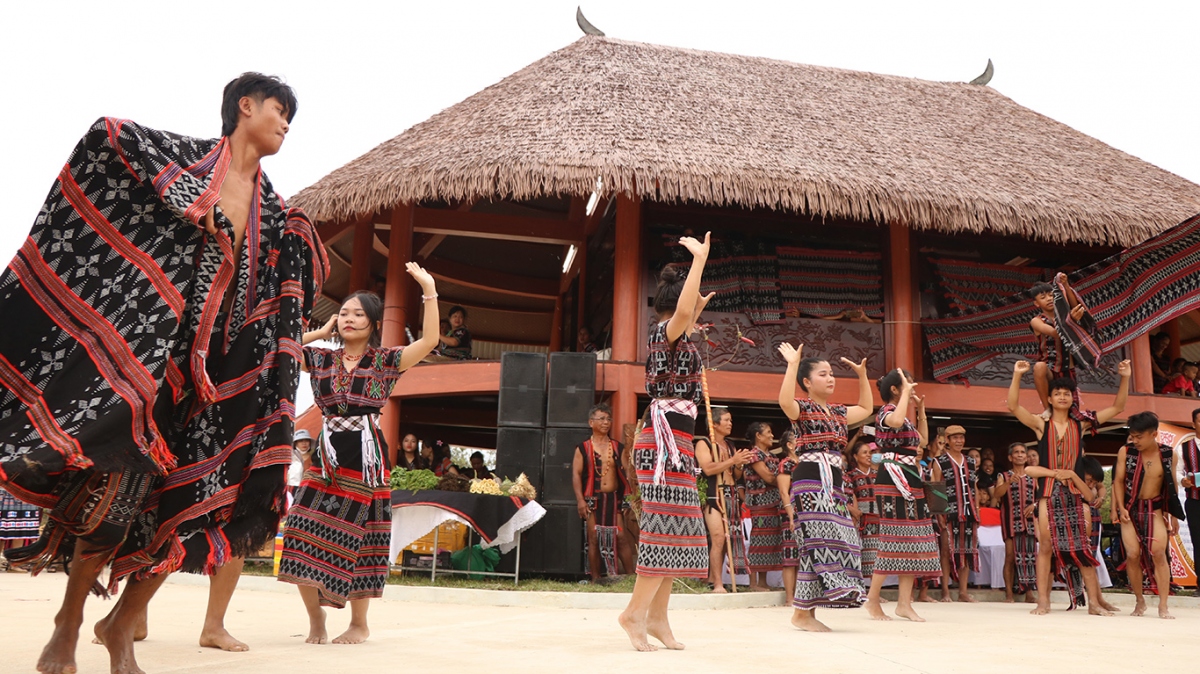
(677, 124)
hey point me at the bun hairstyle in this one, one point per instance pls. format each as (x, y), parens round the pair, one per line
(887, 381)
(755, 428)
(670, 286)
(806, 367)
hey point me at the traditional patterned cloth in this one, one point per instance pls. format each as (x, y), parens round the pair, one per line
(743, 274)
(962, 512)
(1129, 293)
(337, 538)
(19, 521)
(463, 350)
(125, 362)
(1190, 453)
(1142, 510)
(906, 542)
(863, 486)
(1069, 528)
(673, 540)
(791, 551)
(826, 283)
(733, 507)
(1021, 530)
(766, 524)
(607, 507)
(971, 285)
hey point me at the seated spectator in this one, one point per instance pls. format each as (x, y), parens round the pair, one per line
(479, 469)
(457, 342)
(586, 345)
(410, 457)
(1183, 383)
(437, 458)
(1160, 362)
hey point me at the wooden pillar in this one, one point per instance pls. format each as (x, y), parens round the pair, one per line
(1171, 327)
(360, 261)
(396, 307)
(582, 318)
(627, 300)
(556, 332)
(1143, 374)
(901, 346)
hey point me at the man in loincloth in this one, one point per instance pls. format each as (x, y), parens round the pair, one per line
(149, 395)
(960, 545)
(1143, 500)
(1063, 518)
(600, 489)
(1016, 492)
(721, 464)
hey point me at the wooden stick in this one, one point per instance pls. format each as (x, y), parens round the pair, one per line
(712, 441)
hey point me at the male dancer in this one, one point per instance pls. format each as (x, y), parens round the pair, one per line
(171, 322)
(960, 538)
(1143, 486)
(1063, 518)
(722, 465)
(1016, 491)
(600, 489)
(1191, 468)
(1053, 361)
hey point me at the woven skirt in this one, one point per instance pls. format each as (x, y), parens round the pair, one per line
(20, 523)
(907, 546)
(829, 574)
(868, 534)
(673, 540)
(337, 538)
(964, 545)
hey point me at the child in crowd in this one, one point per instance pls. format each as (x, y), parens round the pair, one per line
(1183, 382)
(1052, 362)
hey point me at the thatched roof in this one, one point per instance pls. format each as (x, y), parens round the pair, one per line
(678, 124)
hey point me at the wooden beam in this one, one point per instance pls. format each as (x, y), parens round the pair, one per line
(360, 261)
(901, 334)
(1143, 374)
(497, 227)
(1171, 327)
(627, 300)
(395, 310)
(431, 245)
(492, 281)
(330, 232)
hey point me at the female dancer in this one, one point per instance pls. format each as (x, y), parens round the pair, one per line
(830, 569)
(907, 547)
(861, 480)
(783, 482)
(672, 542)
(335, 545)
(762, 499)
(722, 464)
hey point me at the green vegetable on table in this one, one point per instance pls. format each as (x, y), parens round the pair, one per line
(413, 480)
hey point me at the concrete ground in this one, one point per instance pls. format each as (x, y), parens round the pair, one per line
(451, 637)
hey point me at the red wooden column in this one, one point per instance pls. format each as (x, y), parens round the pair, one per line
(901, 345)
(1171, 327)
(396, 309)
(627, 281)
(1143, 374)
(360, 261)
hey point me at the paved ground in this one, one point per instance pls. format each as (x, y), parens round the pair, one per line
(428, 637)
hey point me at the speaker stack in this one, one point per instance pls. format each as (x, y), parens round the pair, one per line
(537, 434)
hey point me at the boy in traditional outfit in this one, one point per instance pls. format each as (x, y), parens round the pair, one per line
(1063, 522)
(1143, 501)
(1190, 452)
(960, 548)
(172, 322)
(600, 489)
(1016, 492)
(1053, 361)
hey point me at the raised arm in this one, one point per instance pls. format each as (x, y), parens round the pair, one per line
(922, 420)
(866, 404)
(682, 320)
(787, 390)
(416, 352)
(1105, 415)
(1037, 424)
(895, 418)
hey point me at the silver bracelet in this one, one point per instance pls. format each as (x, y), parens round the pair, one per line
(429, 297)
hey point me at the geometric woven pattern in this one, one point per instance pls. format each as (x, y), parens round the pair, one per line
(673, 540)
(830, 569)
(766, 522)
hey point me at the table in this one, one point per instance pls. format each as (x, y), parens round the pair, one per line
(498, 520)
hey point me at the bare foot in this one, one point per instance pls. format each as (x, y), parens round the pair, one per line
(316, 630)
(636, 629)
(946, 599)
(662, 632)
(718, 588)
(1101, 611)
(1139, 609)
(967, 599)
(140, 630)
(222, 639)
(1107, 606)
(1042, 609)
(926, 598)
(903, 611)
(1029, 598)
(354, 634)
(1162, 613)
(58, 657)
(808, 623)
(1008, 598)
(876, 611)
(118, 639)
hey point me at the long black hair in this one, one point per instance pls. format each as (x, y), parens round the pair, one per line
(373, 307)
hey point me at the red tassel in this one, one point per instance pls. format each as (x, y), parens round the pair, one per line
(206, 393)
(162, 456)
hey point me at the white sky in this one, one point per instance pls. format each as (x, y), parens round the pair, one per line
(365, 71)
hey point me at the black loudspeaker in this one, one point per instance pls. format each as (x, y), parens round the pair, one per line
(555, 544)
(519, 450)
(572, 389)
(522, 390)
(556, 464)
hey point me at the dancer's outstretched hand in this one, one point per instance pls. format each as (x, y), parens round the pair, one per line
(421, 276)
(1021, 367)
(1078, 312)
(702, 303)
(909, 385)
(790, 353)
(696, 248)
(860, 369)
(1124, 368)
